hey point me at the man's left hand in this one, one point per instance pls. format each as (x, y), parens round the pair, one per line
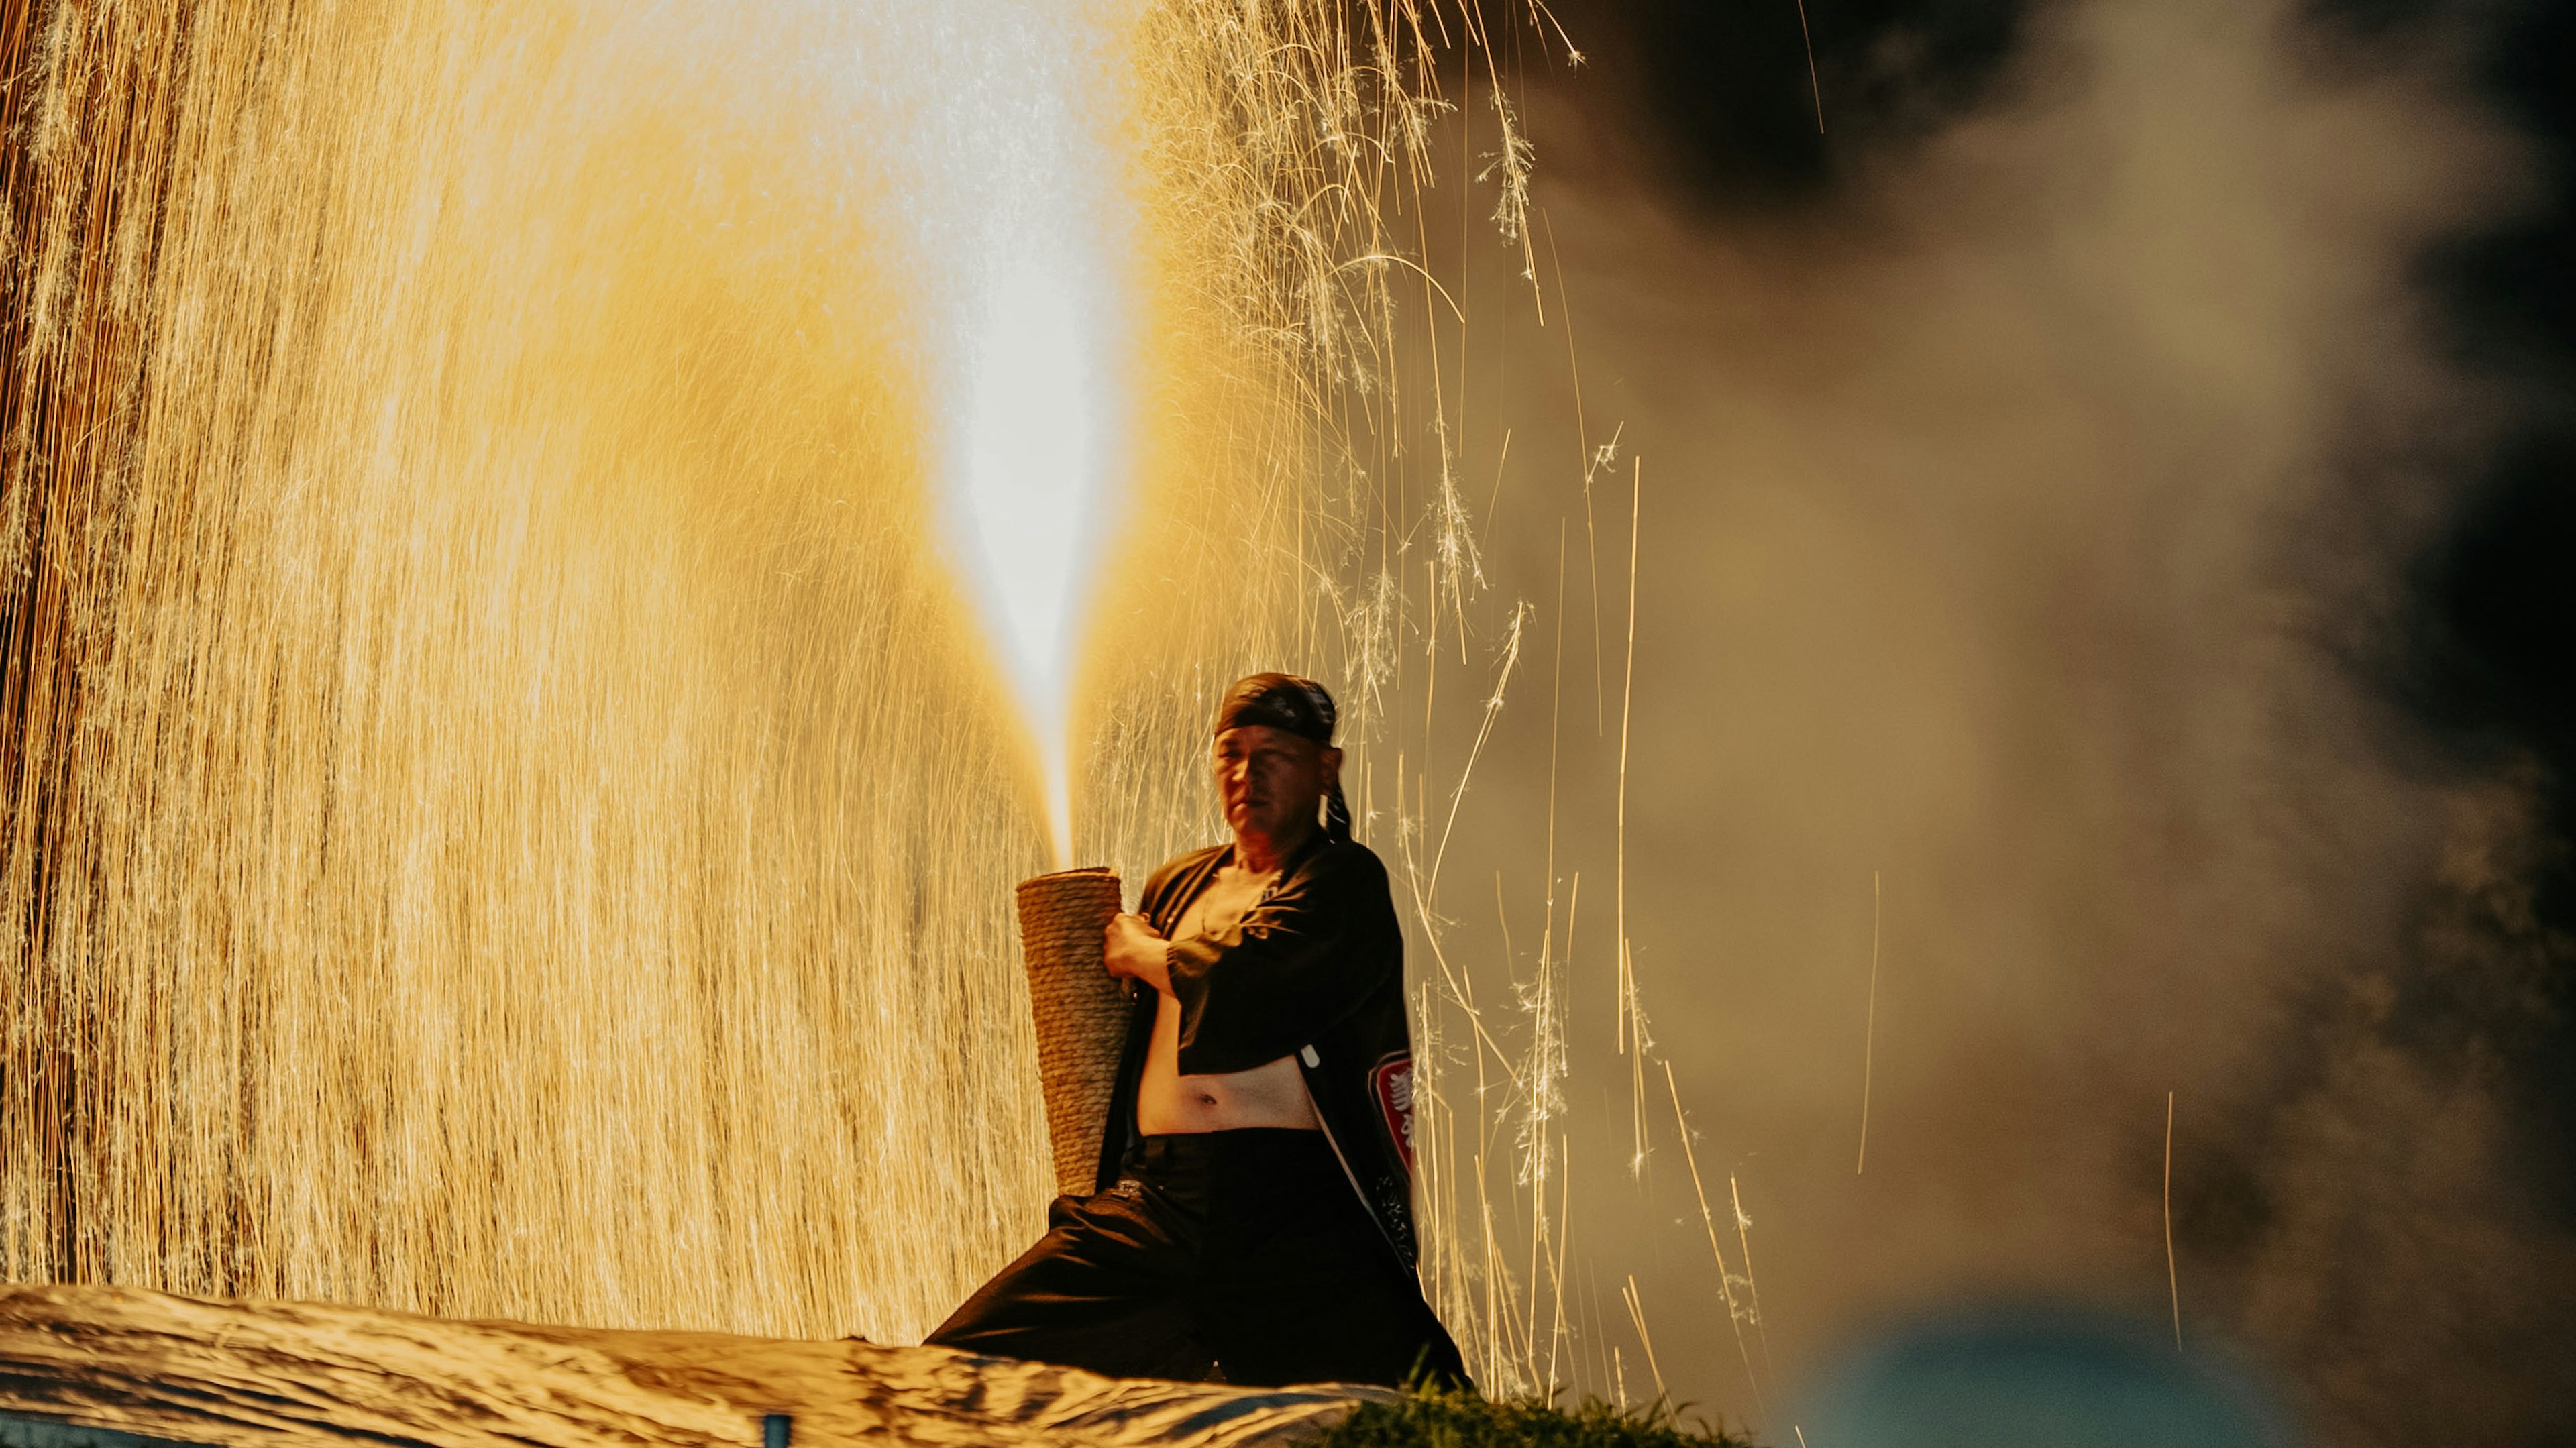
(1132, 950)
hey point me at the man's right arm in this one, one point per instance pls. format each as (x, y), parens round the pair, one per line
(1132, 949)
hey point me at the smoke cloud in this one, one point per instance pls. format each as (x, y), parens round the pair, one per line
(2016, 527)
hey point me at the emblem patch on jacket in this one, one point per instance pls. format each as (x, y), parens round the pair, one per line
(1391, 1082)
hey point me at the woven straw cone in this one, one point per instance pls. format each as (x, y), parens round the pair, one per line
(1081, 1013)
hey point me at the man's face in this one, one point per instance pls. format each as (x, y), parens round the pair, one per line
(1271, 781)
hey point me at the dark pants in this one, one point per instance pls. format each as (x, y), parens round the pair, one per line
(1243, 1251)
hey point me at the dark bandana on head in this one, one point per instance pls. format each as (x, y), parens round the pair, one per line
(1294, 706)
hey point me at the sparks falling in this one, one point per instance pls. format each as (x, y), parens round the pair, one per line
(556, 546)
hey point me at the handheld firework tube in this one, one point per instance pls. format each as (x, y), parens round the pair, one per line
(1081, 1013)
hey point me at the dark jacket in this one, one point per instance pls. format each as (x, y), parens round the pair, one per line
(1315, 970)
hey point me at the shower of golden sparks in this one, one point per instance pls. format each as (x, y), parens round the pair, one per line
(545, 538)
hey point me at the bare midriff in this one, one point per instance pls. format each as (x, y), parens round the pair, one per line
(1272, 1094)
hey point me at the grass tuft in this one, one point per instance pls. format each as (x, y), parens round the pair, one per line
(1435, 1419)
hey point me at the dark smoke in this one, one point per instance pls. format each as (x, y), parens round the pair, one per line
(2116, 481)
(1732, 99)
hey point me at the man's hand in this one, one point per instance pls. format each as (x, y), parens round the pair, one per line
(1132, 951)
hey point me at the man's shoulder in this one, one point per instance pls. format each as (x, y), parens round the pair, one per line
(1345, 877)
(1345, 880)
(1344, 860)
(1174, 869)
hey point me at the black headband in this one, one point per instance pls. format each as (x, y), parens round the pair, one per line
(1278, 701)
(1295, 706)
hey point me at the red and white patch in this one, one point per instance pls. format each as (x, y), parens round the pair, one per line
(1392, 1083)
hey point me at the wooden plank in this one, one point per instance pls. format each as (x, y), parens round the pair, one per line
(268, 1375)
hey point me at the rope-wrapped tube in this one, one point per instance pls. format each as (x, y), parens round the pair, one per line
(1081, 1013)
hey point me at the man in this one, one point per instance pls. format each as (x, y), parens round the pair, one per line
(1255, 1220)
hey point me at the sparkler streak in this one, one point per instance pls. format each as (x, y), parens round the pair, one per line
(2173, 1278)
(1869, 1028)
(1632, 1030)
(1725, 1279)
(1637, 1318)
(1752, 1291)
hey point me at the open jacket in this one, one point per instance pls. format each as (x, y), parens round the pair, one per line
(1314, 970)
